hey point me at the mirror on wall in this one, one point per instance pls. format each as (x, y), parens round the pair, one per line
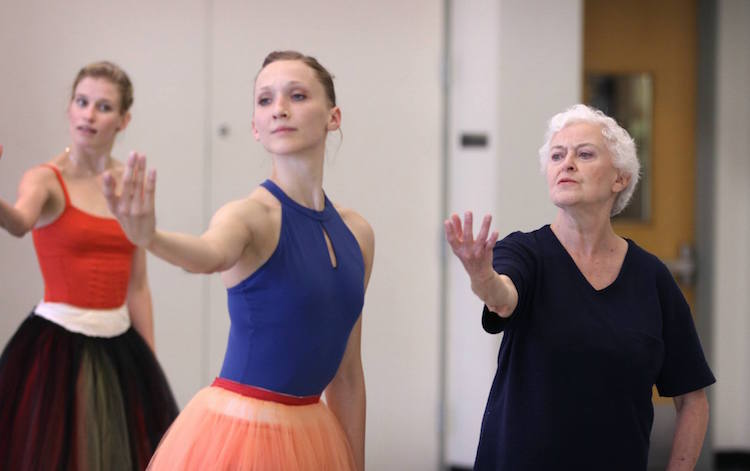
(628, 98)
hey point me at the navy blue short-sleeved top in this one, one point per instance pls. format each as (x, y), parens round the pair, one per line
(576, 365)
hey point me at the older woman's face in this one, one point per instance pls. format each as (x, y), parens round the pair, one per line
(580, 172)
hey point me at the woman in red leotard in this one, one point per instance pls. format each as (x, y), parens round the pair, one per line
(80, 387)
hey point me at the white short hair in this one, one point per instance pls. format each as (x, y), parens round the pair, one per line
(619, 143)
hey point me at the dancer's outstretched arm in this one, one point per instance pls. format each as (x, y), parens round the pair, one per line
(33, 194)
(218, 249)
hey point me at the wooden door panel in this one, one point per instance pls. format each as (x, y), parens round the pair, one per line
(660, 38)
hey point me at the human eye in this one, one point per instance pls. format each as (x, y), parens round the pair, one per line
(298, 96)
(104, 107)
(81, 102)
(556, 156)
(264, 101)
(586, 154)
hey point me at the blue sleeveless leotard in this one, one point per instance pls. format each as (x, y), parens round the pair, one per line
(291, 319)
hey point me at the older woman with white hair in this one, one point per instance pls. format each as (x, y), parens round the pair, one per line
(591, 321)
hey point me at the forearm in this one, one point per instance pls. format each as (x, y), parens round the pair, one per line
(495, 292)
(12, 220)
(140, 309)
(348, 403)
(690, 430)
(187, 251)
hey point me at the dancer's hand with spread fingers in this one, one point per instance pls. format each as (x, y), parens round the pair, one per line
(134, 205)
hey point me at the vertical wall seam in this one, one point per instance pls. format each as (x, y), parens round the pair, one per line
(444, 192)
(705, 188)
(207, 185)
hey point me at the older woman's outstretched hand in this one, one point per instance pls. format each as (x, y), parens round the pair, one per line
(475, 254)
(134, 206)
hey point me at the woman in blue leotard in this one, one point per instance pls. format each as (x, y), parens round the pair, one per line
(296, 268)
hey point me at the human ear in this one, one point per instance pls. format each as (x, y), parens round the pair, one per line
(256, 134)
(124, 123)
(334, 119)
(621, 182)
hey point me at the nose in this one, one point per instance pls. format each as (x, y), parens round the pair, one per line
(569, 160)
(281, 110)
(89, 112)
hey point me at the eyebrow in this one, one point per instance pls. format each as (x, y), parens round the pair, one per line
(83, 95)
(291, 84)
(577, 147)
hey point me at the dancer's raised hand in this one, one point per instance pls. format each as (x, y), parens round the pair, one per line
(134, 206)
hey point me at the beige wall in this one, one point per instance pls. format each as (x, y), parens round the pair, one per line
(731, 296)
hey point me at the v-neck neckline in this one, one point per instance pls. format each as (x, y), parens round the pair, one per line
(577, 269)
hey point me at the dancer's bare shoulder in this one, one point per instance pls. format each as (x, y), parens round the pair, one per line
(362, 231)
(258, 216)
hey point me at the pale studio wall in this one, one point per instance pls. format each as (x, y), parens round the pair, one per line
(731, 218)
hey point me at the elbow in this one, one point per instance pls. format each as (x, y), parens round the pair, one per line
(213, 261)
(203, 269)
(693, 404)
(18, 231)
(705, 408)
(349, 383)
(503, 311)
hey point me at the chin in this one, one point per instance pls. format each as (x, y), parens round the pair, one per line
(565, 202)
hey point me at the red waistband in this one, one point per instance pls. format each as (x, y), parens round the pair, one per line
(264, 394)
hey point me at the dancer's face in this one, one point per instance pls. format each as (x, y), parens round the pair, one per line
(292, 115)
(94, 113)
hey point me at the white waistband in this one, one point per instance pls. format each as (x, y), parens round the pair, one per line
(91, 322)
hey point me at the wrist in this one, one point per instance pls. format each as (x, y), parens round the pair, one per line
(481, 284)
(150, 245)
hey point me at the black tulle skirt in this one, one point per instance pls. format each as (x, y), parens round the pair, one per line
(74, 402)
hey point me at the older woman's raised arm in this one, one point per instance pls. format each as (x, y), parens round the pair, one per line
(495, 290)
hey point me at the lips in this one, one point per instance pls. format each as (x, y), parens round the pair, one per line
(86, 129)
(282, 129)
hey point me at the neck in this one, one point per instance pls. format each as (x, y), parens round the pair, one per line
(585, 233)
(87, 161)
(301, 178)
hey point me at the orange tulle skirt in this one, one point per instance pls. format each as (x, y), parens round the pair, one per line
(224, 428)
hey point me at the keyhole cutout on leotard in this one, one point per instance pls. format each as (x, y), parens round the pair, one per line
(329, 245)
